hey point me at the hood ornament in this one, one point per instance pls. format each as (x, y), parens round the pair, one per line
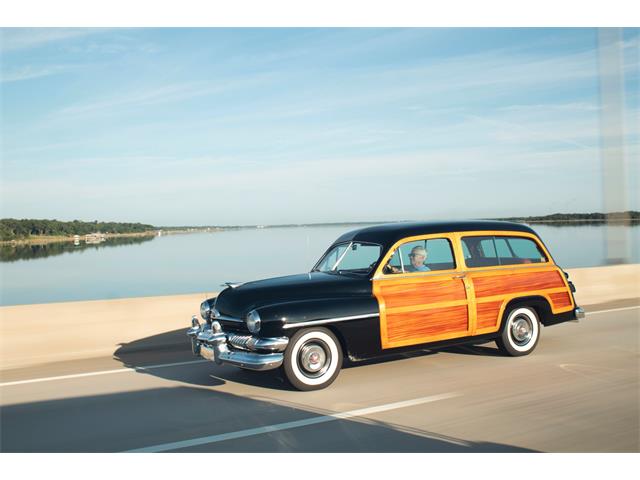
(231, 284)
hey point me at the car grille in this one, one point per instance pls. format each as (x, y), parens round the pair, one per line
(238, 341)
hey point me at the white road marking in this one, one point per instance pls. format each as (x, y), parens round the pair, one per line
(151, 367)
(290, 425)
(621, 309)
(102, 372)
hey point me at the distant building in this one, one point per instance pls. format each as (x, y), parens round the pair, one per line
(95, 237)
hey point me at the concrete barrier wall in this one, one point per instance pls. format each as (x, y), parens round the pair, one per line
(45, 333)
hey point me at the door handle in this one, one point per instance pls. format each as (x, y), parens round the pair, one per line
(459, 276)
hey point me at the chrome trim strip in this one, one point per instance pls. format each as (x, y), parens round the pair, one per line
(228, 319)
(248, 360)
(329, 320)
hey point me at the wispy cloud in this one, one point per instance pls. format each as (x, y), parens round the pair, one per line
(303, 124)
(161, 94)
(29, 72)
(12, 39)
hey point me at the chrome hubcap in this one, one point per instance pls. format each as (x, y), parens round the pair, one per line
(521, 330)
(314, 358)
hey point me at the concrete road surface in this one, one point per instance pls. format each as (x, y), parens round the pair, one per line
(577, 392)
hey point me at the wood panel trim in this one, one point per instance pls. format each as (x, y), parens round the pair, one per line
(393, 341)
(489, 310)
(426, 306)
(471, 301)
(527, 293)
(561, 299)
(515, 282)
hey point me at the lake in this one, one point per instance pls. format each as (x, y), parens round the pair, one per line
(201, 262)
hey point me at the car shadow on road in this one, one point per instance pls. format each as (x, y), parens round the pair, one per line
(174, 347)
(223, 422)
(490, 350)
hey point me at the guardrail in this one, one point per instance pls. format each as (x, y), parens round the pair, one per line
(54, 332)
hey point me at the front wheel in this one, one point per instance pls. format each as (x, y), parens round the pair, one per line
(520, 333)
(313, 359)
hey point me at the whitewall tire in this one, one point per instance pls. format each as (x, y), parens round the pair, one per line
(520, 333)
(313, 359)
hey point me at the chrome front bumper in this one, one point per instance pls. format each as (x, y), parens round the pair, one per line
(579, 312)
(246, 351)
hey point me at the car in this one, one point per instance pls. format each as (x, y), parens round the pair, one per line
(388, 289)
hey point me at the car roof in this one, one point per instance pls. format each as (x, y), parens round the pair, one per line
(389, 233)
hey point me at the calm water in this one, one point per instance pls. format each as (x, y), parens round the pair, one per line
(200, 262)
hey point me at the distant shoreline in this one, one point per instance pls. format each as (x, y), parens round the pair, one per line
(623, 218)
(44, 239)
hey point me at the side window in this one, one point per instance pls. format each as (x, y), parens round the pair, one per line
(505, 252)
(330, 260)
(525, 250)
(488, 247)
(479, 252)
(422, 256)
(502, 248)
(440, 255)
(493, 251)
(394, 261)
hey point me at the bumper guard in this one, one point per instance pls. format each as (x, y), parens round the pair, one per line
(246, 351)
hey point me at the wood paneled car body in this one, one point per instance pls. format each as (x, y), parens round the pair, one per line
(391, 288)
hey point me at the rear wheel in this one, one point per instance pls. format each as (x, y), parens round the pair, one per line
(520, 332)
(313, 359)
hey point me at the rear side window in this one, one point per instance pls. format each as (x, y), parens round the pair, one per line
(521, 250)
(504, 250)
(479, 252)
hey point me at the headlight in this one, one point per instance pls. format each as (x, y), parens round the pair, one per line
(253, 321)
(205, 310)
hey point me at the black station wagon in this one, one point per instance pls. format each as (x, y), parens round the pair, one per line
(388, 289)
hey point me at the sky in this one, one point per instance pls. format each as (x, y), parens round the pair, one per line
(271, 126)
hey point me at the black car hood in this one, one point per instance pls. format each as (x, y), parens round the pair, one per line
(238, 301)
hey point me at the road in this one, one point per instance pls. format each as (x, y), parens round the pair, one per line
(577, 392)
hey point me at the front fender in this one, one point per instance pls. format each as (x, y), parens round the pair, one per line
(284, 318)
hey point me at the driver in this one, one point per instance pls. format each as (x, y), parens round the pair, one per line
(417, 256)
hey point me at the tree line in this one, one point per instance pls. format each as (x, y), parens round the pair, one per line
(13, 229)
(558, 217)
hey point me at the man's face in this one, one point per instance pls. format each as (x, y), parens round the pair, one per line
(417, 259)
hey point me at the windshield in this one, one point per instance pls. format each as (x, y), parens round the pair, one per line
(352, 257)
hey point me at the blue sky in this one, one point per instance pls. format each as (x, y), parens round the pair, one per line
(263, 126)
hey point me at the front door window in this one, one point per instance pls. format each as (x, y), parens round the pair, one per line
(422, 256)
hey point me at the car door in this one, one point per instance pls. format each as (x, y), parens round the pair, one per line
(422, 306)
(502, 266)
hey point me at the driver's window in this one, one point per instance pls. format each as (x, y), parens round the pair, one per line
(394, 262)
(422, 256)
